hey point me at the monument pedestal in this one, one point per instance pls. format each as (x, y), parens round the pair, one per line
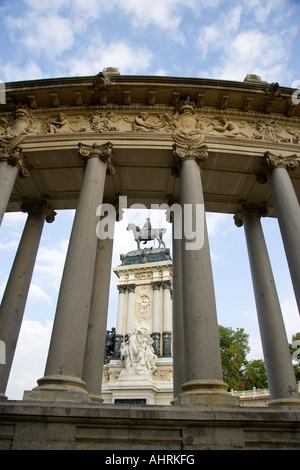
(131, 388)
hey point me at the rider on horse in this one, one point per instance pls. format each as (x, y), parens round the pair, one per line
(146, 231)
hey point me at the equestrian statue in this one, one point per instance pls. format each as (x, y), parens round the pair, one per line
(147, 233)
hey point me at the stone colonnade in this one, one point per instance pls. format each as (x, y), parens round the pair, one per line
(75, 360)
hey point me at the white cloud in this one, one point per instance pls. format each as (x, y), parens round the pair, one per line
(216, 35)
(49, 35)
(36, 293)
(129, 59)
(290, 314)
(10, 72)
(217, 223)
(253, 52)
(49, 266)
(262, 9)
(30, 357)
(253, 37)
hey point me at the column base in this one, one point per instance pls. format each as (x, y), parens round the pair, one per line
(96, 398)
(285, 402)
(3, 397)
(205, 393)
(59, 389)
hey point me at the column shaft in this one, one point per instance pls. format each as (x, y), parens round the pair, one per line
(120, 319)
(12, 162)
(95, 343)
(177, 318)
(281, 377)
(130, 308)
(16, 292)
(167, 320)
(288, 213)
(156, 318)
(203, 369)
(64, 368)
(8, 175)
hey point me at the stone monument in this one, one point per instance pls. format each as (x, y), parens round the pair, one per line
(141, 367)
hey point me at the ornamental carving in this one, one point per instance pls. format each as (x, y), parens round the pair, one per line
(163, 374)
(14, 128)
(272, 161)
(187, 124)
(249, 209)
(290, 162)
(103, 152)
(143, 123)
(101, 122)
(138, 354)
(42, 206)
(14, 157)
(143, 307)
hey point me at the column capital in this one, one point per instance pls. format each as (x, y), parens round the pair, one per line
(15, 157)
(186, 152)
(122, 288)
(271, 161)
(249, 209)
(156, 285)
(41, 205)
(131, 287)
(103, 152)
(166, 284)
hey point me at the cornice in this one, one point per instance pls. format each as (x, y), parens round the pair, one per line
(149, 90)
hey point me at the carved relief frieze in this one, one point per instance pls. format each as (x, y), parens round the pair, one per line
(163, 374)
(143, 309)
(185, 123)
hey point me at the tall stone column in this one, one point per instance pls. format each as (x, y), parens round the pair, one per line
(64, 368)
(203, 369)
(130, 307)
(120, 316)
(155, 335)
(12, 163)
(17, 288)
(276, 168)
(167, 319)
(95, 343)
(177, 318)
(280, 372)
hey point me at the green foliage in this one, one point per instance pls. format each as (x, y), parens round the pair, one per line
(238, 372)
(234, 350)
(255, 375)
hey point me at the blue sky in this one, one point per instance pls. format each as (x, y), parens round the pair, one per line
(183, 38)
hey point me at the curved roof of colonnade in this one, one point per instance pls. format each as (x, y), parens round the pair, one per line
(239, 122)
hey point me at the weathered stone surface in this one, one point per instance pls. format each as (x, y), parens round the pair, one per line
(133, 427)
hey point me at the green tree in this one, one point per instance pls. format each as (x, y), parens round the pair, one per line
(234, 349)
(238, 372)
(255, 375)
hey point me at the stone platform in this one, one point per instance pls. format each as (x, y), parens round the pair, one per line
(65, 426)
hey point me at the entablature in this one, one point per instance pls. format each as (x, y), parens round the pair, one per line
(142, 117)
